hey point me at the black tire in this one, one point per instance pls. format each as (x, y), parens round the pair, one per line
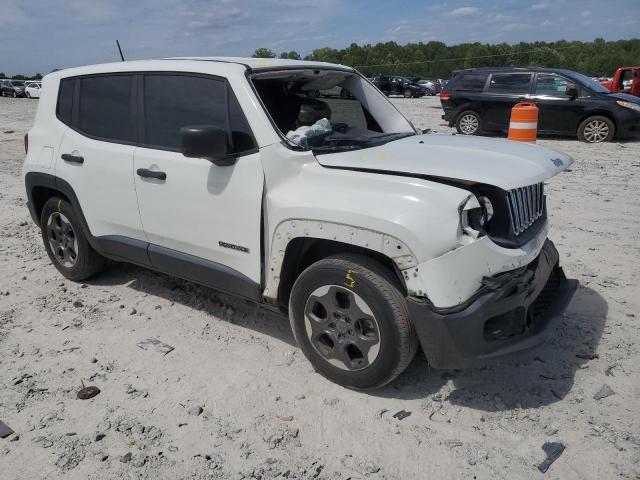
(596, 129)
(15, 95)
(376, 286)
(87, 261)
(28, 95)
(465, 123)
(407, 93)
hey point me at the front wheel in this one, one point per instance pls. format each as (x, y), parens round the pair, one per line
(15, 95)
(469, 123)
(596, 129)
(28, 95)
(407, 93)
(352, 322)
(66, 243)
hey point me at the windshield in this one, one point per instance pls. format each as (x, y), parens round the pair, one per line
(17, 83)
(588, 82)
(329, 110)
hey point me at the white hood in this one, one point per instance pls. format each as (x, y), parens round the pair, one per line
(498, 162)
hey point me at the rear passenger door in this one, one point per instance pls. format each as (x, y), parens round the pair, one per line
(202, 220)
(503, 92)
(96, 152)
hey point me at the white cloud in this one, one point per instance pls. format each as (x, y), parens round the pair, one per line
(540, 6)
(464, 11)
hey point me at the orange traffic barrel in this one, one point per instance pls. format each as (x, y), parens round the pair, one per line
(523, 126)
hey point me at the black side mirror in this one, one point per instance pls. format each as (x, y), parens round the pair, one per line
(571, 90)
(207, 141)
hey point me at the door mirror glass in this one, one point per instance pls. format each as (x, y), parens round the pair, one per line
(206, 141)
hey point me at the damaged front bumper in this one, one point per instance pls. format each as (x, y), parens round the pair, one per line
(510, 313)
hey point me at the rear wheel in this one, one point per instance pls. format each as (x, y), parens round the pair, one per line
(596, 129)
(469, 123)
(65, 242)
(15, 95)
(352, 322)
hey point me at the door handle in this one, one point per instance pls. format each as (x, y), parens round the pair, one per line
(146, 173)
(67, 157)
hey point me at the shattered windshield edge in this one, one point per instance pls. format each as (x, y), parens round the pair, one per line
(341, 134)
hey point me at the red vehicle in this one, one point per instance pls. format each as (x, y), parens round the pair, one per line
(625, 80)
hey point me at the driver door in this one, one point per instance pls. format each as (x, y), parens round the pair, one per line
(557, 111)
(203, 221)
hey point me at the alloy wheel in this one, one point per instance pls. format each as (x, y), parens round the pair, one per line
(469, 124)
(342, 328)
(596, 131)
(62, 239)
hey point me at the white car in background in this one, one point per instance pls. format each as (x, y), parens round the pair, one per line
(32, 89)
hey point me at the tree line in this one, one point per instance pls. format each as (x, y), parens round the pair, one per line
(437, 60)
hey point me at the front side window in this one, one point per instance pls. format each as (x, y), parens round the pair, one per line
(175, 101)
(510, 83)
(106, 108)
(551, 85)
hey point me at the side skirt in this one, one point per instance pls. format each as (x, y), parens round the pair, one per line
(172, 262)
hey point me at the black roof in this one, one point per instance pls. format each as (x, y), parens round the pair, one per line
(516, 70)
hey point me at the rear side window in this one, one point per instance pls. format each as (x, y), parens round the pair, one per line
(510, 83)
(106, 109)
(468, 82)
(65, 100)
(175, 101)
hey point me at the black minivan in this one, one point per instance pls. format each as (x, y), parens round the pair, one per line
(479, 100)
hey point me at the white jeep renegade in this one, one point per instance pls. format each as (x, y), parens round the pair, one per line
(240, 174)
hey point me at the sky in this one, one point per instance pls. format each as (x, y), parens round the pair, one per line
(39, 35)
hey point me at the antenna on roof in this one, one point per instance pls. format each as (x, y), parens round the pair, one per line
(120, 50)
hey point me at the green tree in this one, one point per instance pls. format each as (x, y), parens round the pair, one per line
(292, 55)
(263, 53)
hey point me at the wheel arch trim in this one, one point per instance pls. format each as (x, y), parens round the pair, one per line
(34, 180)
(287, 231)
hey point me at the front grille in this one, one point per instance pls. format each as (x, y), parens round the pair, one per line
(526, 205)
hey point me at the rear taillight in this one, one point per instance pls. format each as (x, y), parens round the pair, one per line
(26, 143)
(444, 96)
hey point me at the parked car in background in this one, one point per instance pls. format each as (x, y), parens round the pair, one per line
(372, 236)
(32, 89)
(625, 80)
(394, 85)
(433, 87)
(12, 88)
(335, 92)
(480, 100)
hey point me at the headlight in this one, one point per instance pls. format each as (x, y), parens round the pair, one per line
(474, 215)
(632, 106)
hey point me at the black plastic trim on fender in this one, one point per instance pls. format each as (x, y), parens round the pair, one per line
(204, 272)
(38, 179)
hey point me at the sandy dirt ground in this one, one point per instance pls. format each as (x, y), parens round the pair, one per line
(236, 399)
